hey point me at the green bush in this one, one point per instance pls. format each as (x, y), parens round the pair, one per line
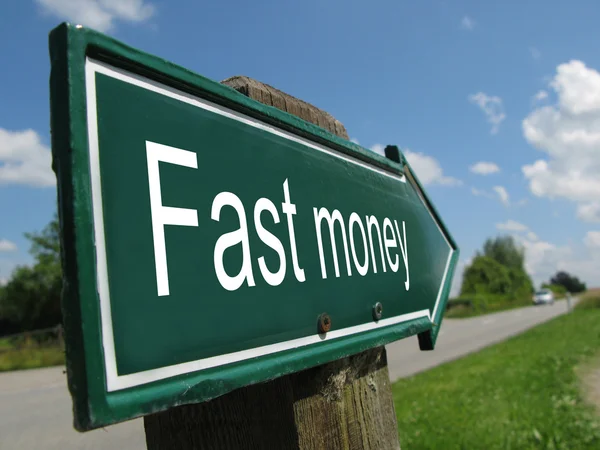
(478, 304)
(459, 302)
(498, 274)
(466, 306)
(521, 285)
(558, 289)
(485, 275)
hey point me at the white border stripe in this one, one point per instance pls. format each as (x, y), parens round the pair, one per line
(113, 380)
(100, 244)
(450, 251)
(147, 376)
(439, 296)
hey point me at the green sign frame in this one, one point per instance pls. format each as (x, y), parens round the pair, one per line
(101, 395)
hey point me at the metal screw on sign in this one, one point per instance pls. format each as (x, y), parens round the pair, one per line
(377, 311)
(324, 323)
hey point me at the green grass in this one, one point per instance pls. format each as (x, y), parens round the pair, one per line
(31, 358)
(589, 303)
(29, 354)
(521, 394)
(4, 343)
(589, 300)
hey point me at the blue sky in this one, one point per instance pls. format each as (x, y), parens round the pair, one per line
(510, 84)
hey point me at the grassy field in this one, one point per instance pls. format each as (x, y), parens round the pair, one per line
(4, 344)
(30, 355)
(31, 358)
(589, 300)
(521, 394)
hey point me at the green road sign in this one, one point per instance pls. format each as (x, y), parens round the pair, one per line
(206, 236)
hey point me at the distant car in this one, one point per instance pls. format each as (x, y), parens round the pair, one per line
(543, 297)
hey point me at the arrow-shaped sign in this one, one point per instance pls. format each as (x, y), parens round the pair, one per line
(212, 242)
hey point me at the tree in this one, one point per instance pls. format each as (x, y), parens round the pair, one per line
(521, 285)
(569, 282)
(498, 270)
(505, 250)
(557, 289)
(31, 298)
(45, 246)
(485, 275)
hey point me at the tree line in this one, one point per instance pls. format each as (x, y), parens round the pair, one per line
(499, 272)
(31, 298)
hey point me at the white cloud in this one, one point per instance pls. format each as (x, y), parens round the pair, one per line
(592, 239)
(3, 281)
(589, 212)
(24, 159)
(569, 134)
(492, 107)
(378, 148)
(532, 236)
(480, 193)
(541, 95)
(578, 88)
(355, 141)
(8, 265)
(427, 168)
(535, 53)
(499, 193)
(7, 246)
(502, 194)
(484, 168)
(98, 14)
(543, 259)
(511, 225)
(467, 23)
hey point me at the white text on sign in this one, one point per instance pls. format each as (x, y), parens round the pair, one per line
(380, 240)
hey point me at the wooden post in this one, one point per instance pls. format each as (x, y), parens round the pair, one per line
(346, 404)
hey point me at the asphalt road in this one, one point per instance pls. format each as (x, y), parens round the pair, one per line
(35, 406)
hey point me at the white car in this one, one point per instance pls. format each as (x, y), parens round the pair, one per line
(543, 296)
